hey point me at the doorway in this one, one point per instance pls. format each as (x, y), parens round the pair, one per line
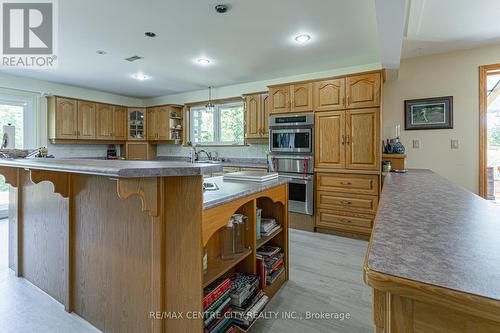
(489, 131)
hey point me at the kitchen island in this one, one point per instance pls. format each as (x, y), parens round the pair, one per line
(120, 243)
(433, 258)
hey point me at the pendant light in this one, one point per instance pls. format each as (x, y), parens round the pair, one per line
(210, 107)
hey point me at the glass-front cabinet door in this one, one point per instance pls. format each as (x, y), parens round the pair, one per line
(137, 124)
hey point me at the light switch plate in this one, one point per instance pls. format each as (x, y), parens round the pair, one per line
(454, 144)
(416, 144)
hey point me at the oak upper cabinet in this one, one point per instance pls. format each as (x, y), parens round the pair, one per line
(163, 123)
(363, 91)
(120, 123)
(63, 115)
(104, 121)
(152, 121)
(301, 97)
(86, 120)
(265, 105)
(280, 99)
(330, 140)
(253, 115)
(362, 139)
(329, 95)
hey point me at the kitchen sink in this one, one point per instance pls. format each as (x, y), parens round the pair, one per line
(208, 161)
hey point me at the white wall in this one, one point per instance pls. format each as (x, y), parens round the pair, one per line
(451, 74)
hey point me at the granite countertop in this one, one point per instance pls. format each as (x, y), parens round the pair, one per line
(115, 168)
(431, 230)
(232, 190)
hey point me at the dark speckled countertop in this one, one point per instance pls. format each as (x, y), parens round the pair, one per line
(431, 230)
(231, 190)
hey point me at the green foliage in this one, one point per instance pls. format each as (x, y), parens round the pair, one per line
(494, 136)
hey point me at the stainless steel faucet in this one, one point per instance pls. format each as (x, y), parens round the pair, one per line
(209, 155)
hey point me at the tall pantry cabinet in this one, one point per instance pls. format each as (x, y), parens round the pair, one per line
(347, 152)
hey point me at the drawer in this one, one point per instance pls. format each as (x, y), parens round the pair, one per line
(347, 202)
(328, 219)
(347, 183)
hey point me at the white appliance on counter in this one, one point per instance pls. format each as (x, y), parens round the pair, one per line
(291, 146)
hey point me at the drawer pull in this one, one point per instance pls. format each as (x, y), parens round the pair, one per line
(345, 202)
(345, 221)
(345, 183)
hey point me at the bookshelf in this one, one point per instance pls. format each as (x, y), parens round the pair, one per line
(273, 203)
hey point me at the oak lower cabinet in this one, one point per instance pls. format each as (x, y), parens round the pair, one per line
(346, 203)
(257, 116)
(348, 139)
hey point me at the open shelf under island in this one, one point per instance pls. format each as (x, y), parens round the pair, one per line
(120, 243)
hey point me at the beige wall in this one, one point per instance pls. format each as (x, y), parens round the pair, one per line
(452, 74)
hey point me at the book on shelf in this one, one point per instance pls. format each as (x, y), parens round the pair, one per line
(214, 291)
(215, 305)
(268, 251)
(267, 224)
(222, 326)
(213, 316)
(261, 271)
(245, 319)
(271, 278)
(270, 232)
(243, 286)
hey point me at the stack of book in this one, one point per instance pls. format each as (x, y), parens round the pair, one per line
(247, 299)
(268, 226)
(270, 264)
(217, 307)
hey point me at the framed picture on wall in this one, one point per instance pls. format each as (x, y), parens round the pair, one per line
(429, 113)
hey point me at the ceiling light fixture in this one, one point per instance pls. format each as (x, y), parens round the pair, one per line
(140, 76)
(203, 61)
(210, 107)
(100, 52)
(301, 39)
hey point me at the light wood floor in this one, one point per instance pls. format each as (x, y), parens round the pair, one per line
(325, 276)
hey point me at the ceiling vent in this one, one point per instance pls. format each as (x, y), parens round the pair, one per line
(134, 58)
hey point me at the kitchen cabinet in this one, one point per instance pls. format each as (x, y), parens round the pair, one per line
(362, 139)
(137, 124)
(256, 116)
(301, 97)
(280, 99)
(86, 120)
(120, 117)
(162, 122)
(329, 147)
(104, 121)
(140, 151)
(63, 118)
(152, 121)
(291, 98)
(329, 95)
(347, 139)
(363, 90)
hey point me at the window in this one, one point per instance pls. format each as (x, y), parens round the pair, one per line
(222, 126)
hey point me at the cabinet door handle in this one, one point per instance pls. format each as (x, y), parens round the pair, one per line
(347, 100)
(345, 183)
(344, 202)
(343, 139)
(347, 139)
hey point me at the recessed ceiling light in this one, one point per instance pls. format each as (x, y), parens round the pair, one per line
(203, 61)
(140, 76)
(150, 34)
(101, 52)
(301, 39)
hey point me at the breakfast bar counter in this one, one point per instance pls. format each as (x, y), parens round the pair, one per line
(433, 258)
(121, 243)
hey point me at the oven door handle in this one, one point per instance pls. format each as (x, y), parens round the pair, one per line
(305, 179)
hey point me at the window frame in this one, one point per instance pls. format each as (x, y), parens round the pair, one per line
(30, 138)
(217, 124)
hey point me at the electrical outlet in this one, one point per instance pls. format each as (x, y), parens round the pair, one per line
(454, 144)
(416, 144)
